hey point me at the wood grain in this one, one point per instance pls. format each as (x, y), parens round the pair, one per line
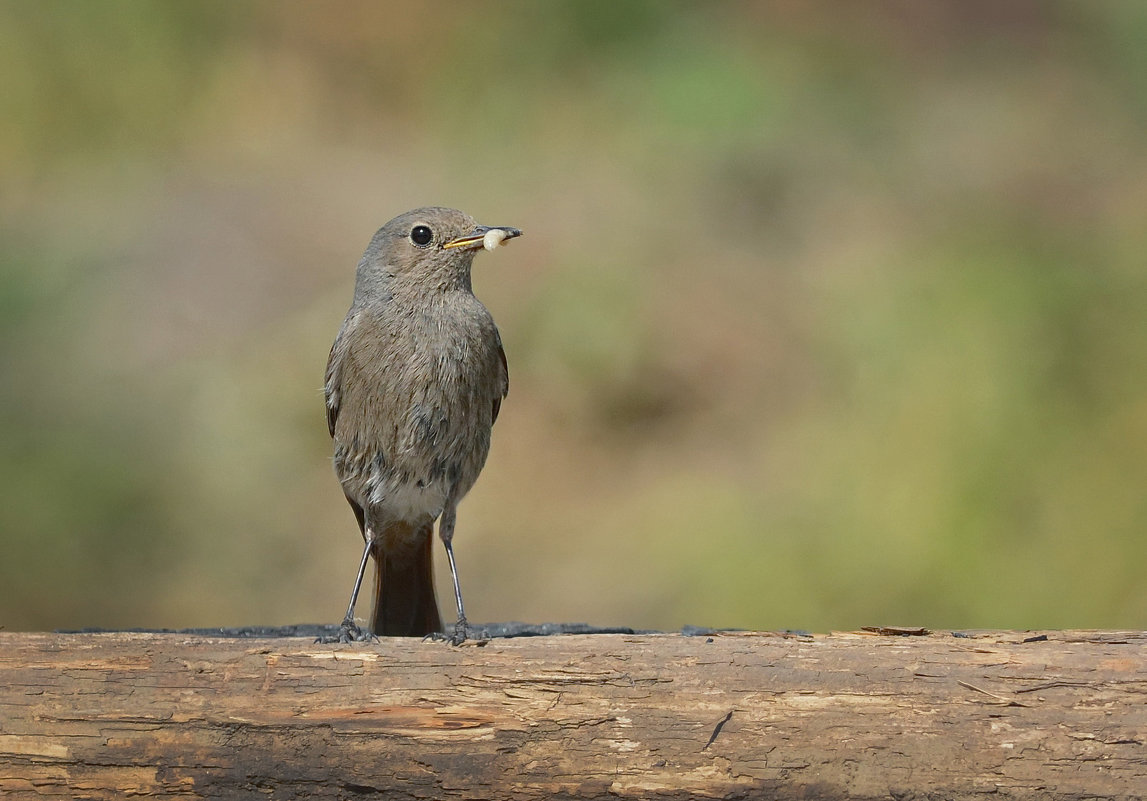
(745, 715)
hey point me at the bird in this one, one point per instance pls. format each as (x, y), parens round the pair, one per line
(414, 383)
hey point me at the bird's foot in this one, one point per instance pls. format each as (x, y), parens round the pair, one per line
(348, 632)
(461, 632)
(460, 635)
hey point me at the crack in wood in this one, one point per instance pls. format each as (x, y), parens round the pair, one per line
(717, 729)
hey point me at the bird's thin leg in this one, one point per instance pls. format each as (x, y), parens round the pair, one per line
(446, 532)
(348, 630)
(358, 582)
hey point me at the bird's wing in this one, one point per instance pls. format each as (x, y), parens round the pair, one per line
(504, 380)
(332, 385)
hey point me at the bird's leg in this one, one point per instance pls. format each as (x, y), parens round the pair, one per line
(446, 532)
(348, 630)
(349, 618)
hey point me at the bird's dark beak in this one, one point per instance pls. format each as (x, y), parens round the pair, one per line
(487, 236)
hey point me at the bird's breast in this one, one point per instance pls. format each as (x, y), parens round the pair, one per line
(419, 410)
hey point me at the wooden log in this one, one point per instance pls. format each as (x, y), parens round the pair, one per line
(734, 715)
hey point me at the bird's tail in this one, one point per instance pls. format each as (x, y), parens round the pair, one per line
(404, 601)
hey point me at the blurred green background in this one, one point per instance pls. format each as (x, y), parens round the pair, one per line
(826, 314)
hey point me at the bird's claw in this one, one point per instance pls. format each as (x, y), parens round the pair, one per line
(348, 632)
(460, 635)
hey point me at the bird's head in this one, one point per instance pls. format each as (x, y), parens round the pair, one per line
(427, 248)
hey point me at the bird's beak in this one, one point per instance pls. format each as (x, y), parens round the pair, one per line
(487, 236)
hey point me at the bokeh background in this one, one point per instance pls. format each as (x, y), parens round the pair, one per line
(827, 314)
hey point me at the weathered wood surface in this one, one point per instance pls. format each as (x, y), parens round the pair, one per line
(601, 716)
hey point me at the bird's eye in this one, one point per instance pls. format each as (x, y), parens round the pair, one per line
(421, 235)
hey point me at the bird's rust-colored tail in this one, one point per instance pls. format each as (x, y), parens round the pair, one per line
(404, 601)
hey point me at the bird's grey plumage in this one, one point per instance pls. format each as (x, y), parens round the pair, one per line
(414, 383)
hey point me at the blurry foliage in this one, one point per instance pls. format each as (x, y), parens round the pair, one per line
(826, 314)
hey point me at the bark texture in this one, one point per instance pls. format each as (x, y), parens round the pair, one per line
(735, 715)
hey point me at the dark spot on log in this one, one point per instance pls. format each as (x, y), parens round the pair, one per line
(897, 631)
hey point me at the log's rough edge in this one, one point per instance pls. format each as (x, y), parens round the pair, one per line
(1052, 715)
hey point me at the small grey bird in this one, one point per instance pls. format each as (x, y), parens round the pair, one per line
(414, 382)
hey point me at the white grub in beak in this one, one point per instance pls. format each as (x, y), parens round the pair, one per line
(493, 238)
